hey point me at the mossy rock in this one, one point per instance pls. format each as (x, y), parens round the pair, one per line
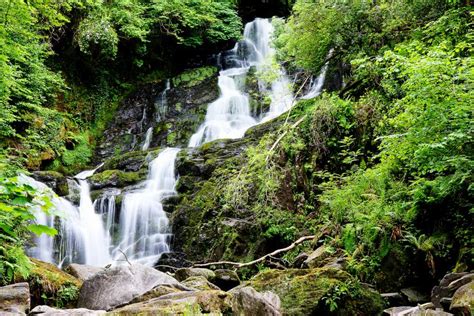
(193, 77)
(320, 291)
(51, 286)
(115, 178)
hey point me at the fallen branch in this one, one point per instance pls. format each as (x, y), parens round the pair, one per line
(126, 258)
(246, 264)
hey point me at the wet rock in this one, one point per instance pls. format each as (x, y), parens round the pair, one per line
(414, 295)
(247, 301)
(299, 260)
(82, 271)
(448, 285)
(189, 303)
(199, 283)
(394, 299)
(169, 261)
(445, 303)
(463, 300)
(115, 178)
(422, 310)
(52, 179)
(465, 279)
(119, 285)
(302, 291)
(15, 298)
(450, 277)
(158, 291)
(185, 273)
(225, 279)
(49, 311)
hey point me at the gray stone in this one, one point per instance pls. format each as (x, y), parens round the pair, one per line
(119, 285)
(199, 283)
(225, 279)
(15, 298)
(298, 262)
(82, 271)
(395, 311)
(316, 258)
(394, 299)
(463, 300)
(247, 301)
(456, 284)
(46, 310)
(445, 302)
(414, 295)
(185, 273)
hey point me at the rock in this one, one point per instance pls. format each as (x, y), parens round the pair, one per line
(315, 259)
(247, 301)
(302, 291)
(438, 293)
(225, 279)
(172, 259)
(445, 303)
(298, 262)
(52, 179)
(395, 311)
(199, 283)
(15, 298)
(450, 277)
(414, 295)
(185, 273)
(394, 299)
(336, 263)
(188, 303)
(465, 279)
(82, 271)
(46, 310)
(463, 300)
(158, 291)
(448, 285)
(421, 310)
(48, 283)
(119, 285)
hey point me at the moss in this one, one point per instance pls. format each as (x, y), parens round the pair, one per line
(193, 77)
(318, 292)
(52, 286)
(116, 178)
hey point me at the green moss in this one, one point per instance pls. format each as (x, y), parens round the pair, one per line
(116, 178)
(194, 77)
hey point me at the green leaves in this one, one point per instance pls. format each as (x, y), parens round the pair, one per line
(42, 229)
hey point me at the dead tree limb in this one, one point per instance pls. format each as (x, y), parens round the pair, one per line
(246, 264)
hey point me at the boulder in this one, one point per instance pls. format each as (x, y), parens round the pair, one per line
(448, 285)
(463, 300)
(299, 260)
(304, 291)
(316, 258)
(247, 301)
(225, 279)
(119, 285)
(185, 273)
(465, 279)
(394, 299)
(199, 283)
(187, 303)
(82, 271)
(414, 295)
(49, 311)
(15, 298)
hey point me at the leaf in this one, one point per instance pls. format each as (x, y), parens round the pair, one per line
(42, 229)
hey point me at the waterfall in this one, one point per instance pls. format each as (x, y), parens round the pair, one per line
(148, 136)
(143, 223)
(230, 116)
(316, 85)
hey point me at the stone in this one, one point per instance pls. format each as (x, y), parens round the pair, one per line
(185, 273)
(394, 299)
(247, 301)
(158, 291)
(302, 291)
(119, 285)
(49, 311)
(82, 271)
(299, 260)
(448, 285)
(315, 259)
(199, 283)
(445, 302)
(414, 295)
(395, 311)
(225, 279)
(15, 298)
(465, 279)
(188, 303)
(450, 277)
(463, 300)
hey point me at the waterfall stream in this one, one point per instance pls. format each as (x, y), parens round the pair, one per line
(95, 233)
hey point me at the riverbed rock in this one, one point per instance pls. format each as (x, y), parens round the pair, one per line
(302, 291)
(49, 311)
(82, 271)
(119, 285)
(247, 301)
(188, 303)
(225, 279)
(185, 273)
(52, 179)
(394, 299)
(316, 258)
(199, 283)
(414, 295)
(15, 298)
(463, 300)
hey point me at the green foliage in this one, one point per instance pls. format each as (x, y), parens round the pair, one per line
(193, 77)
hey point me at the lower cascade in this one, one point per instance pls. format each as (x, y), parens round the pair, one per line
(96, 233)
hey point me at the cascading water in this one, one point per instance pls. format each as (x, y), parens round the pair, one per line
(316, 85)
(86, 232)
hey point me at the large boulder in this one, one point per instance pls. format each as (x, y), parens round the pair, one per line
(82, 271)
(320, 291)
(247, 301)
(44, 310)
(119, 285)
(185, 273)
(199, 283)
(317, 257)
(187, 303)
(15, 298)
(225, 279)
(448, 285)
(463, 300)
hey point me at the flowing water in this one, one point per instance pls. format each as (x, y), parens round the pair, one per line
(96, 234)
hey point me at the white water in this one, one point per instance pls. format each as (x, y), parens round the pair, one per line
(316, 86)
(230, 116)
(148, 136)
(143, 223)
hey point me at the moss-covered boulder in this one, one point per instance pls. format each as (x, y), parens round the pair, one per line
(463, 300)
(318, 292)
(115, 178)
(55, 180)
(52, 286)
